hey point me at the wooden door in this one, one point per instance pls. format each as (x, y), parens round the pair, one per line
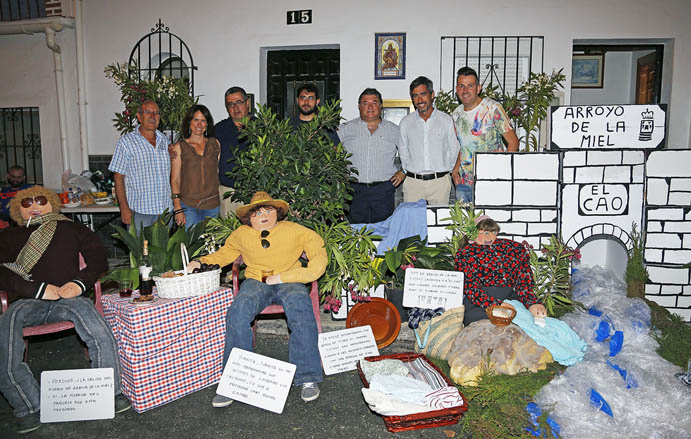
(645, 79)
(287, 70)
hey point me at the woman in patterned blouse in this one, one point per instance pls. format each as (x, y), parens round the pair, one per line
(495, 270)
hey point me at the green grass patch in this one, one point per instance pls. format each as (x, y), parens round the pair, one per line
(496, 406)
(672, 334)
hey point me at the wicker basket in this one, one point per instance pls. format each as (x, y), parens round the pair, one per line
(416, 421)
(498, 320)
(187, 285)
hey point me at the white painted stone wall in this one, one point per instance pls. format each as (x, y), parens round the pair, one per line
(525, 195)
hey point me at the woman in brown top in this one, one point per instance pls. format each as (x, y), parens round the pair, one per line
(194, 169)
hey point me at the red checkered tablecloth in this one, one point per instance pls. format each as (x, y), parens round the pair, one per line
(168, 348)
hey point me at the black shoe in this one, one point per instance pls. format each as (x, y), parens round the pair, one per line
(29, 423)
(122, 404)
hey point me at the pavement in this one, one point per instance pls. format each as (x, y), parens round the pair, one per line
(340, 411)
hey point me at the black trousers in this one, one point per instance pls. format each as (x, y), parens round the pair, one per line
(474, 313)
(371, 204)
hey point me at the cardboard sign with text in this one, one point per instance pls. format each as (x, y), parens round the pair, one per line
(340, 350)
(433, 288)
(77, 395)
(256, 380)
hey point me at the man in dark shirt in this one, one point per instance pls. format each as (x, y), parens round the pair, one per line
(228, 135)
(308, 103)
(16, 177)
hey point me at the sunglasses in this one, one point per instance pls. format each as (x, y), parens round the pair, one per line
(265, 242)
(40, 200)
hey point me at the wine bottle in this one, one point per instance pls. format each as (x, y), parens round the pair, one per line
(145, 281)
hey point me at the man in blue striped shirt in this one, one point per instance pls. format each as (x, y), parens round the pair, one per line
(141, 165)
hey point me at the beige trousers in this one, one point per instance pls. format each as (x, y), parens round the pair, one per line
(435, 191)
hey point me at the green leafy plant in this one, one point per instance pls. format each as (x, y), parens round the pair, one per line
(217, 230)
(352, 264)
(552, 274)
(171, 94)
(164, 247)
(413, 252)
(301, 166)
(462, 226)
(636, 274)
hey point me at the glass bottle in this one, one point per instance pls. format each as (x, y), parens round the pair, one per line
(145, 282)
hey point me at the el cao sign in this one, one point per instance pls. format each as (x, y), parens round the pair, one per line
(603, 199)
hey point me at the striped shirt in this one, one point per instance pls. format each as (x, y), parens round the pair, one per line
(146, 170)
(373, 154)
(428, 146)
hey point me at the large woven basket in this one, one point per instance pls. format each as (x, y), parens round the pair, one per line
(187, 285)
(436, 418)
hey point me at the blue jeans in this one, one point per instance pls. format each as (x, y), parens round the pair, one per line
(303, 349)
(141, 220)
(464, 193)
(194, 215)
(16, 381)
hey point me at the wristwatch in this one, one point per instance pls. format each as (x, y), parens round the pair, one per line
(174, 196)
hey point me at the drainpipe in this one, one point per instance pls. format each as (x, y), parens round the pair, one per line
(62, 110)
(81, 81)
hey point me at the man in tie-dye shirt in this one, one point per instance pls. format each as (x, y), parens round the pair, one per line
(481, 125)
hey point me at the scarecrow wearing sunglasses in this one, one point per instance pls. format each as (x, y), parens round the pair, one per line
(39, 262)
(495, 270)
(271, 248)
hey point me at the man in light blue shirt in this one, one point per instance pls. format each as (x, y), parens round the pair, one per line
(141, 165)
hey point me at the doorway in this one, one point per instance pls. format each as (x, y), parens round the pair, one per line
(606, 252)
(288, 69)
(632, 74)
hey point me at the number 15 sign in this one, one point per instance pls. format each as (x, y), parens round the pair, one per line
(300, 17)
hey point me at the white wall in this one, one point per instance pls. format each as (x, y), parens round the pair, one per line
(28, 80)
(226, 38)
(616, 87)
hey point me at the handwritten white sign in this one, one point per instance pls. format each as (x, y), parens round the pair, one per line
(256, 380)
(340, 350)
(433, 288)
(77, 395)
(608, 126)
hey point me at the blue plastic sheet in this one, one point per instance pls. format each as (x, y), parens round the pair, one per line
(615, 343)
(628, 379)
(535, 412)
(597, 401)
(602, 331)
(594, 311)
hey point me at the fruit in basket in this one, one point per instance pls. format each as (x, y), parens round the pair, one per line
(206, 267)
(169, 274)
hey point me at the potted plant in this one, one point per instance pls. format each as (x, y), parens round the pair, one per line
(171, 94)
(552, 274)
(411, 252)
(462, 226)
(164, 247)
(352, 265)
(636, 274)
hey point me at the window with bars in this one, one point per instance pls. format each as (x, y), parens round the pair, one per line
(11, 10)
(20, 142)
(500, 61)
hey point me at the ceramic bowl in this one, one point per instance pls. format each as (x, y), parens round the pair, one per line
(381, 315)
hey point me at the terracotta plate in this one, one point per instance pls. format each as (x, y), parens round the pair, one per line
(381, 315)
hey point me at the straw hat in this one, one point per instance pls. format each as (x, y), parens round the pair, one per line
(261, 198)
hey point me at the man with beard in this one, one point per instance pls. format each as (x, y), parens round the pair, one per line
(308, 101)
(16, 177)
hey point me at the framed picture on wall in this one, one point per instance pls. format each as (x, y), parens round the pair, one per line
(394, 110)
(587, 71)
(389, 55)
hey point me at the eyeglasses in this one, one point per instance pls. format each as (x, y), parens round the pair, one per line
(307, 98)
(40, 200)
(487, 232)
(265, 242)
(234, 104)
(153, 113)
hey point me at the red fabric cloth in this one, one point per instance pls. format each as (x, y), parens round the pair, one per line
(505, 263)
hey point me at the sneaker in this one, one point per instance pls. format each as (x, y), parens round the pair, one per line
(122, 404)
(309, 392)
(220, 401)
(29, 423)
